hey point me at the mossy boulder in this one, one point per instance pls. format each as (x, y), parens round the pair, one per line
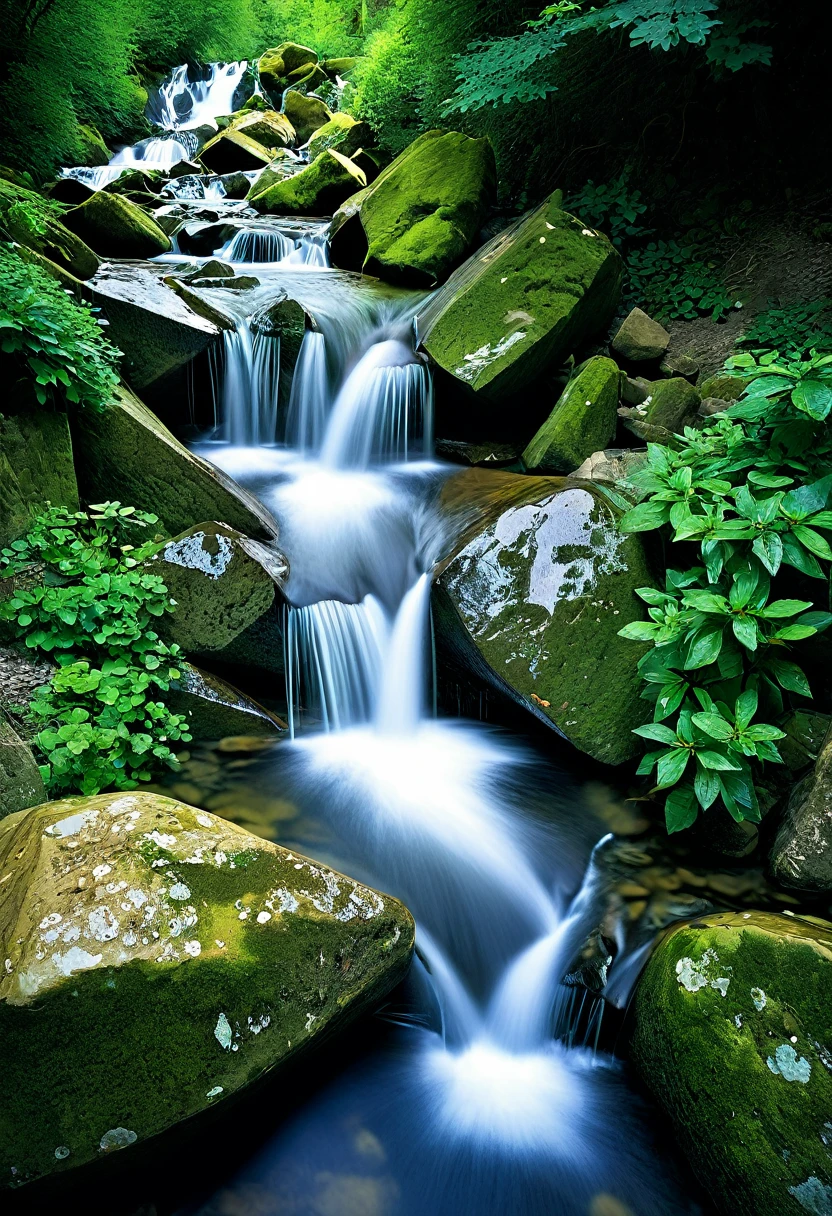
(216, 709)
(93, 149)
(339, 67)
(733, 1034)
(126, 453)
(421, 215)
(802, 853)
(234, 151)
(672, 403)
(523, 303)
(306, 114)
(342, 132)
(531, 600)
(283, 65)
(222, 583)
(726, 388)
(640, 338)
(21, 784)
(582, 422)
(268, 127)
(161, 959)
(36, 467)
(116, 228)
(316, 190)
(47, 235)
(287, 320)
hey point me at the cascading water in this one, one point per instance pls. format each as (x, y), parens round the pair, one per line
(278, 246)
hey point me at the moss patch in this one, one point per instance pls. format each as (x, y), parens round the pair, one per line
(582, 422)
(317, 190)
(35, 468)
(116, 228)
(342, 132)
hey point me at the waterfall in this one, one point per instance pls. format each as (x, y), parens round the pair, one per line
(401, 696)
(250, 382)
(289, 246)
(181, 102)
(309, 398)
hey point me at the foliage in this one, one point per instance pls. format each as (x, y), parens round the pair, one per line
(103, 721)
(614, 207)
(56, 342)
(753, 491)
(793, 328)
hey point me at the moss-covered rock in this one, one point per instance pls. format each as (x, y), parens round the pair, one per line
(116, 228)
(172, 958)
(582, 422)
(316, 190)
(640, 338)
(522, 304)
(342, 132)
(672, 403)
(802, 853)
(94, 150)
(421, 215)
(269, 128)
(234, 151)
(306, 114)
(726, 388)
(215, 709)
(21, 784)
(287, 320)
(532, 599)
(33, 226)
(35, 468)
(733, 1034)
(614, 465)
(127, 454)
(283, 65)
(339, 67)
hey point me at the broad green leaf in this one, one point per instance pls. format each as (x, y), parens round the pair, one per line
(714, 725)
(746, 707)
(784, 608)
(706, 786)
(715, 760)
(671, 766)
(680, 808)
(645, 517)
(745, 631)
(704, 650)
(769, 548)
(654, 730)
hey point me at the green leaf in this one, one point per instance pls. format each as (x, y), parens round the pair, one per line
(715, 760)
(706, 786)
(769, 548)
(680, 808)
(671, 766)
(784, 608)
(745, 631)
(746, 708)
(714, 726)
(654, 730)
(813, 541)
(704, 650)
(795, 555)
(645, 517)
(790, 676)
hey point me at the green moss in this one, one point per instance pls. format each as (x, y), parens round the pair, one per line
(672, 403)
(35, 223)
(725, 388)
(230, 956)
(752, 1135)
(21, 784)
(317, 190)
(548, 284)
(280, 64)
(582, 422)
(116, 228)
(341, 132)
(95, 150)
(35, 468)
(306, 114)
(236, 151)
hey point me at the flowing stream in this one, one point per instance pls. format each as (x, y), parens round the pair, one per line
(473, 1102)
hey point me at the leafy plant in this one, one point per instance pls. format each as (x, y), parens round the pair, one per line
(753, 492)
(612, 206)
(104, 721)
(53, 340)
(793, 329)
(677, 280)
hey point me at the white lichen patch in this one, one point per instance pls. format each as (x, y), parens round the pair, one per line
(115, 1138)
(61, 1152)
(787, 1064)
(179, 891)
(215, 1092)
(191, 553)
(222, 1032)
(759, 999)
(814, 1196)
(484, 356)
(694, 976)
(193, 949)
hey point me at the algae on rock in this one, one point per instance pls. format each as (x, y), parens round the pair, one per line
(173, 958)
(21, 783)
(582, 422)
(116, 228)
(36, 467)
(317, 190)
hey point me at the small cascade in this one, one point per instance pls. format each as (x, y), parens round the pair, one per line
(309, 398)
(194, 187)
(290, 246)
(250, 377)
(402, 695)
(181, 102)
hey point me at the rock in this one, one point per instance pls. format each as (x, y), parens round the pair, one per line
(679, 365)
(222, 583)
(198, 304)
(284, 319)
(342, 132)
(583, 420)
(308, 78)
(214, 268)
(612, 465)
(483, 455)
(151, 322)
(635, 390)
(236, 185)
(21, 784)
(367, 163)
(805, 732)
(528, 298)
(339, 67)
(172, 958)
(421, 215)
(712, 405)
(306, 114)
(204, 237)
(234, 151)
(127, 454)
(268, 127)
(283, 165)
(137, 180)
(93, 149)
(727, 388)
(732, 1034)
(237, 282)
(184, 168)
(635, 421)
(802, 853)
(317, 190)
(116, 228)
(69, 190)
(532, 598)
(36, 466)
(672, 404)
(640, 338)
(215, 709)
(50, 238)
(277, 66)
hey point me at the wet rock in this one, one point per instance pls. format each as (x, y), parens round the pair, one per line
(521, 305)
(268, 127)
(51, 239)
(21, 784)
(212, 269)
(421, 215)
(672, 403)
(805, 730)
(197, 303)
(306, 114)
(69, 190)
(94, 150)
(284, 65)
(612, 465)
(532, 598)
(215, 709)
(732, 1033)
(727, 388)
(712, 405)
(342, 132)
(802, 853)
(202, 237)
(287, 320)
(484, 455)
(184, 168)
(234, 151)
(116, 228)
(236, 282)
(36, 465)
(317, 190)
(640, 338)
(137, 180)
(127, 454)
(635, 390)
(172, 958)
(222, 583)
(679, 365)
(583, 420)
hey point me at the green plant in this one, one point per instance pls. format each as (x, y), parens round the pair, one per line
(676, 280)
(792, 329)
(54, 341)
(753, 491)
(90, 603)
(612, 206)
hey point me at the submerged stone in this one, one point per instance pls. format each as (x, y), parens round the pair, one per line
(317, 190)
(158, 960)
(583, 420)
(733, 1034)
(533, 597)
(216, 709)
(116, 228)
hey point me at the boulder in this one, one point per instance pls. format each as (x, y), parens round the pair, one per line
(116, 228)
(726, 388)
(613, 465)
(268, 127)
(308, 78)
(733, 1035)
(672, 403)
(136, 180)
(583, 420)
(169, 959)
(284, 319)
(21, 784)
(806, 731)
(367, 163)
(281, 166)
(640, 338)
(234, 151)
(69, 190)
(421, 215)
(215, 709)
(802, 853)
(127, 454)
(339, 67)
(93, 149)
(36, 467)
(342, 132)
(317, 190)
(277, 66)
(520, 305)
(153, 322)
(49, 237)
(222, 583)
(679, 365)
(306, 114)
(531, 600)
